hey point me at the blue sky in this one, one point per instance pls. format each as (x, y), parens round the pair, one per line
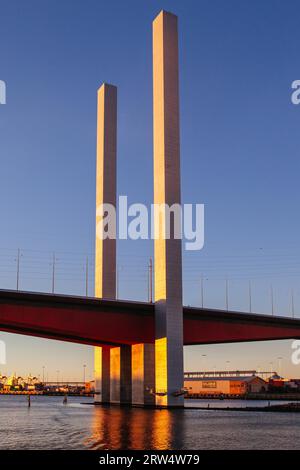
(239, 154)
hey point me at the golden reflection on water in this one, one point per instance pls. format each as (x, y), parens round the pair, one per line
(122, 428)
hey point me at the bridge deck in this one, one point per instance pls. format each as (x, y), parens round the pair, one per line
(114, 322)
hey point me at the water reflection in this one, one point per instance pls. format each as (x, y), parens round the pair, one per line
(48, 424)
(122, 428)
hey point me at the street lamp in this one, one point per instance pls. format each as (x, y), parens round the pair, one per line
(226, 294)
(250, 297)
(279, 365)
(204, 356)
(272, 299)
(84, 366)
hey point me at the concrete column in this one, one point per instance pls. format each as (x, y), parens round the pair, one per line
(115, 374)
(105, 255)
(125, 379)
(102, 375)
(120, 375)
(167, 252)
(143, 375)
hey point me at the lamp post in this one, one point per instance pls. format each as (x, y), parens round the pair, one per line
(18, 268)
(272, 299)
(293, 308)
(87, 276)
(279, 365)
(250, 297)
(84, 366)
(53, 272)
(150, 281)
(227, 307)
(204, 356)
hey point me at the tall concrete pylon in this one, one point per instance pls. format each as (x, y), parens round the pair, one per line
(142, 374)
(105, 249)
(167, 252)
(112, 364)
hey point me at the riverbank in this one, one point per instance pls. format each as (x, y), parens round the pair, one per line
(249, 396)
(282, 408)
(47, 394)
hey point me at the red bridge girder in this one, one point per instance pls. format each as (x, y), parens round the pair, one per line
(99, 322)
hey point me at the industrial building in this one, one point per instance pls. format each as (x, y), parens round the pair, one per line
(222, 384)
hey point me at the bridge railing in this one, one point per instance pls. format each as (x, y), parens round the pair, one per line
(205, 284)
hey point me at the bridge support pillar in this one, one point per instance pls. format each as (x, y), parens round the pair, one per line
(102, 374)
(143, 374)
(120, 375)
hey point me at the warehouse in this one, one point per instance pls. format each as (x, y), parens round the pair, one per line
(233, 386)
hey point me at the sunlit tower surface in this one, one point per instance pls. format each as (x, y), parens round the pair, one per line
(145, 373)
(167, 252)
(105, 250)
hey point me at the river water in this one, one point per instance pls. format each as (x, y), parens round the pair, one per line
(48, 424)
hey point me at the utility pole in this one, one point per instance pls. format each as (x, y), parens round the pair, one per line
(53, 273)
(250, 297)
(204, 356)
(293, 307)
(87, 277)
(279, 365)
(43, 374)
(18, 268)
(150, 280)
(272, 299)
(227, 294)
(117, 282)
(84, 366)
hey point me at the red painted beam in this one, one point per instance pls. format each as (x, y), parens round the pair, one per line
(217, 326)
(76, 319)
(96, 322)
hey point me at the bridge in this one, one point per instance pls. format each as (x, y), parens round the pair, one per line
(138, 345)
(99, 322)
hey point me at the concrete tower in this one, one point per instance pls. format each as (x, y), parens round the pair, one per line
(112, 365)
(105, 255)
(167, 252)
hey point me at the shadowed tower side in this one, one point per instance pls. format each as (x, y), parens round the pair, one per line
(167, 252)
(105, 254)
